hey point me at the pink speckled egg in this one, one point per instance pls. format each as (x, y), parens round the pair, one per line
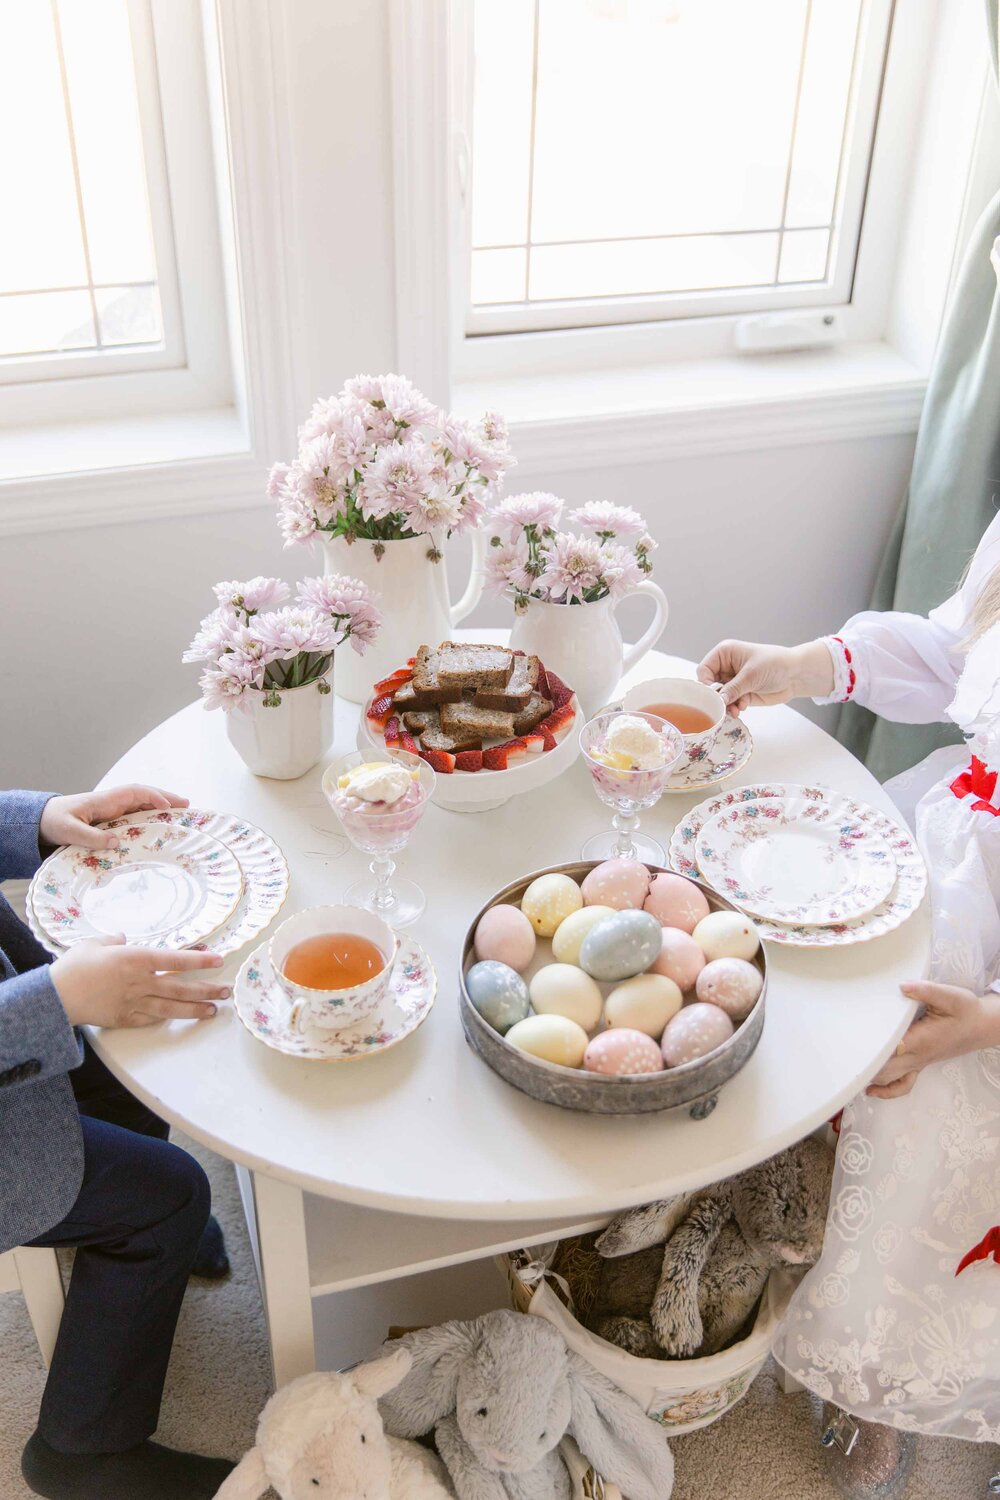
(622, 1052)
(694, 1031)
(620, 883)
(680, 958)
(676, 902)
(505, 934)
(732, 983)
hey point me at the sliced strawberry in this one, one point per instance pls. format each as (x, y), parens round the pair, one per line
(407, 742)
(393, 681)
(535, 742)
(392, 732)
(469, 760)
(561, 696)
(495, 759)
(542, 685)
(411, 661)
(380, 710)
(556, 688)
(516, 749)
(441, 761)
(559, 720)
(549, 740)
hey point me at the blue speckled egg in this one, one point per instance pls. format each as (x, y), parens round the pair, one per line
(499, 994)
(621, 946)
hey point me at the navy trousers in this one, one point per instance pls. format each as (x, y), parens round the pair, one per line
(136, 1224)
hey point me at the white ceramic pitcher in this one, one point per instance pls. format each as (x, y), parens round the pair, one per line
(411, 579)
(583, 644)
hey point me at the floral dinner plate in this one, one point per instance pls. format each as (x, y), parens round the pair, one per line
(796, 860)
(164, 886)
(266, 1011)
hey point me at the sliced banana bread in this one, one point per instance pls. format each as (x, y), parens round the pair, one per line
(468, 719)
(515, 694)
(473, 666)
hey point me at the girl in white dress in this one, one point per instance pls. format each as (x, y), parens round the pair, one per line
(899, 1323)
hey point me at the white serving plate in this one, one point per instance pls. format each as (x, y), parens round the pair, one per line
(479, 791)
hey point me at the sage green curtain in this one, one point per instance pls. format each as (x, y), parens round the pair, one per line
(954, 489)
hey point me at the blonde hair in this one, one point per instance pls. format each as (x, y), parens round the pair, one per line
(986, 610)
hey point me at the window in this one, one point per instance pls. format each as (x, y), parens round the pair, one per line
(111, 281)
(718, 158)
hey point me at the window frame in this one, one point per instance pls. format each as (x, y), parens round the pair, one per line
(191, 366)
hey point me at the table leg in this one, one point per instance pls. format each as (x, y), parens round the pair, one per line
(284, 1274)
(789, 1385)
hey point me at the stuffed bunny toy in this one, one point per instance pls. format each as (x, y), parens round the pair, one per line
(682, 1276)
(321, 1438)
(501, 1391)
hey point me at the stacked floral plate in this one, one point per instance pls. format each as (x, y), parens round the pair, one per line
(813, 867)
(178, 879)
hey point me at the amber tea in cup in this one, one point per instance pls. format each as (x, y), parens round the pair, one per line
(333, 961)
(683, 717)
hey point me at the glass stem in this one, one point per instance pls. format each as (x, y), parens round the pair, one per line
(625, 822)
(383, 868)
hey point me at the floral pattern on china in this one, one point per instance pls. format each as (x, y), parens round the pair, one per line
(163, 886)
(268, 1014)
(901, 903)
(795, 860)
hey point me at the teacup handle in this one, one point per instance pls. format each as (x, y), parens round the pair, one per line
(474, 587)
(649, 638)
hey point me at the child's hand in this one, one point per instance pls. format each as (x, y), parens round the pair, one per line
(762, 675)
(68, 820)
(955, 1021)
(102, 983)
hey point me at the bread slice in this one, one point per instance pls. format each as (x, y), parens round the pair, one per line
(439, 739)
(420, 719)
(427, 681)
(515, 694)
(409, 697)
(473, 666)
(537, 709)
(468, 719)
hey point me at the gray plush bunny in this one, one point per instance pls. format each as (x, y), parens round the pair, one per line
(683, 1276)
(501, 1391)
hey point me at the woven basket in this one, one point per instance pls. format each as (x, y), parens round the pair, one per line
(681, 1394)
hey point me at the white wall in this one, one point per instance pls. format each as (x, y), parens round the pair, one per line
(774, 544)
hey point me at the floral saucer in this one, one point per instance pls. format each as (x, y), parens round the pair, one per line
(708, 764)
(266, 1011)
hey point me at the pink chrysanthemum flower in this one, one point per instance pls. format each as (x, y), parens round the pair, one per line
(289, 631)
(608, 520)
(224, 687)
(257, 593)
(536, 508)
(397, 480)
(572, 567)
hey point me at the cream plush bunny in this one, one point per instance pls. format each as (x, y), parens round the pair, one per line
(321, 1438)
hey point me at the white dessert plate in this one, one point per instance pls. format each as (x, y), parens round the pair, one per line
(268, 1013)
(163, 887)
(478, 791)
(903, 900)
(795, 860)
(263, 866)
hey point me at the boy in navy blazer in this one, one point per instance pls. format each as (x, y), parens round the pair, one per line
(83, 1163)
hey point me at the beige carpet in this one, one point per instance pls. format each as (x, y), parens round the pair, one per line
(765, 1450)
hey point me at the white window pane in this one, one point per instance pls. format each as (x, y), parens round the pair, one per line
(129, 314)
(819, 132)
(803, 255)
(501, 126)
(498, 276)
(663, 116)
(649, 266)
(43, 322)
(101, 79)
(40, 242)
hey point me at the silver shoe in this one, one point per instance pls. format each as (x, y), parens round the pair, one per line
(993, 1485)
(866, 1460)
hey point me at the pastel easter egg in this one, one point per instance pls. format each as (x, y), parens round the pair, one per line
(679, 958)
(645, 1003)
(505, 934)
(621, 945)
(565, 990)
(573, 929)
(676, 902)
(726, 934)
(695, 1031)
(498, 992)
(549, 900)
(623, 1053)
(732, 983)
(554, 1039)
(621, 883)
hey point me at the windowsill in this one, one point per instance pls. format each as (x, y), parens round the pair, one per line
(47, 452)
(691, 406)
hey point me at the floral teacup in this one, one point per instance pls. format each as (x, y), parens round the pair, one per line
(333, 1009)
(660, 693)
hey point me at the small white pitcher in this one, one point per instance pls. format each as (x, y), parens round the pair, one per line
(583, 644)
(285, 741)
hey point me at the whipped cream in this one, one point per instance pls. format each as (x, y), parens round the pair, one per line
(377, 781)
(631, 736)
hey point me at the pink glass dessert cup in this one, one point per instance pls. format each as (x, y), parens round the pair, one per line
(382, 829)
(628, 791)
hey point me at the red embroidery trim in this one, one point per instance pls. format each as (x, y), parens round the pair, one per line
(988, 1245)
(979, 782)
(851, 674)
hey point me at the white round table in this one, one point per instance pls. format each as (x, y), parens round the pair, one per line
(429, 1157)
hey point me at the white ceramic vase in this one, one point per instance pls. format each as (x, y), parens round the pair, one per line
(284, 741)
(583, 644)
(411, 579)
